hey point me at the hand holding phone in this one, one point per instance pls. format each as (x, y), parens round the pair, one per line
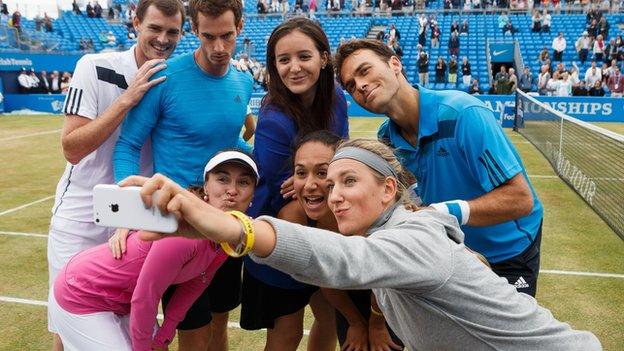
(122, 207)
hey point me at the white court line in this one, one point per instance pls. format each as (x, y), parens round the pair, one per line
(32, 134)
(545, 271)
(24, 234)
(26, 205)
(542, 176)
(232, 325)
(583, 274)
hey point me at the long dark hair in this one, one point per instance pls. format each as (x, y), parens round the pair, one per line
(320, 114)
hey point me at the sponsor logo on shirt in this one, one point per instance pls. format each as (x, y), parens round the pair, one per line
(442, 152)
(521, 283)
(237, 99)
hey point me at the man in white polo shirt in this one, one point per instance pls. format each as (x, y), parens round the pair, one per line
(104, 88)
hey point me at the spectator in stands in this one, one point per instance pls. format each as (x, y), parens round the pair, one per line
(466, 71)
(453, 44)
(312, 9)
(620, 47)
(65, 81)
(423, 22)
(502, 80)
(546, 21)
(4, 10)
(423, 68)
(596, 89)
(396, 7)
(592, 28)
(248, 47)
(47, 23)
(526, 80)
(580, 89)
(23, 82)
(599, 48)
(261, 7)
(16, 21)
(110, 38)
(559, 45)
(536, 21)
(553, 84)
(592, 14)
(82, 45)
(543, 56)
(440, 70)
(97, 10)
(474, 88)
(33, 80)
(245, 64)
(393, 33)
(76, 8)
(261, 77)
(44, 83)
(38, 23)
(455, 27)
(513, 80)
(574, 75)
(453, 67)
(435, 36)
(542, 80)
(463, 30)
(606, 72)
(422, 35)
(55, 82)
(616, 83)
(493, 89)
(89, 9)
(502, 21)
(396, 47)
(582, 47)
(510, 29)
(603, 27)
(611, 51)
(564, 88)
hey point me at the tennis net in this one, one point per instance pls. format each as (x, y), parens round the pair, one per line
(588, 158)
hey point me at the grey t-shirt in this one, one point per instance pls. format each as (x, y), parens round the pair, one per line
(434, 293)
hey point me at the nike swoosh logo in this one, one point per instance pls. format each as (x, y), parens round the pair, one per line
(496, 53)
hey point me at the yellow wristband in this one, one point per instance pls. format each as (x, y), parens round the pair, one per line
(248, 231)
(375, 312)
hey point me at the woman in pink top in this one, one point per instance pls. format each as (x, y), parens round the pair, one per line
(103, 303)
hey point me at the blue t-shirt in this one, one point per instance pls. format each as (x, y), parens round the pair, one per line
(462, 154)
(190, 116)
(274, 141)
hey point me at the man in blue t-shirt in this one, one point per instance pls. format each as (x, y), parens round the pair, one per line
(197, 111)
(464, 164)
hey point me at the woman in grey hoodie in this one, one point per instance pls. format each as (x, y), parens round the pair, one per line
(433, 292)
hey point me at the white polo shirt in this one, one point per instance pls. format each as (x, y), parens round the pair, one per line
(97, 81)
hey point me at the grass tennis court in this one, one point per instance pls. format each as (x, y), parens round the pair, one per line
(574, 240)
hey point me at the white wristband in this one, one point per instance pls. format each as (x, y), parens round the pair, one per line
(458, 208)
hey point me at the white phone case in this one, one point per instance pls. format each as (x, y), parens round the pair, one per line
(122, 207)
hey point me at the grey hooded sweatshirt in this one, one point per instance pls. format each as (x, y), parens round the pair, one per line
(434, 293)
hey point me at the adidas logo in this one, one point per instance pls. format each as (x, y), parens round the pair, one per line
(442, 152)
(521, 283)
(237, 99)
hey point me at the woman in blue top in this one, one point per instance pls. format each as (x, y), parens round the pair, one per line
(302, 97)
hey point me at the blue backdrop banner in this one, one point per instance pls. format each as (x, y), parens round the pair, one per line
(39, 62)
(589, 109)
(36, 102)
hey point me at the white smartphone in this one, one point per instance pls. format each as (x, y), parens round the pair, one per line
(122, 207)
